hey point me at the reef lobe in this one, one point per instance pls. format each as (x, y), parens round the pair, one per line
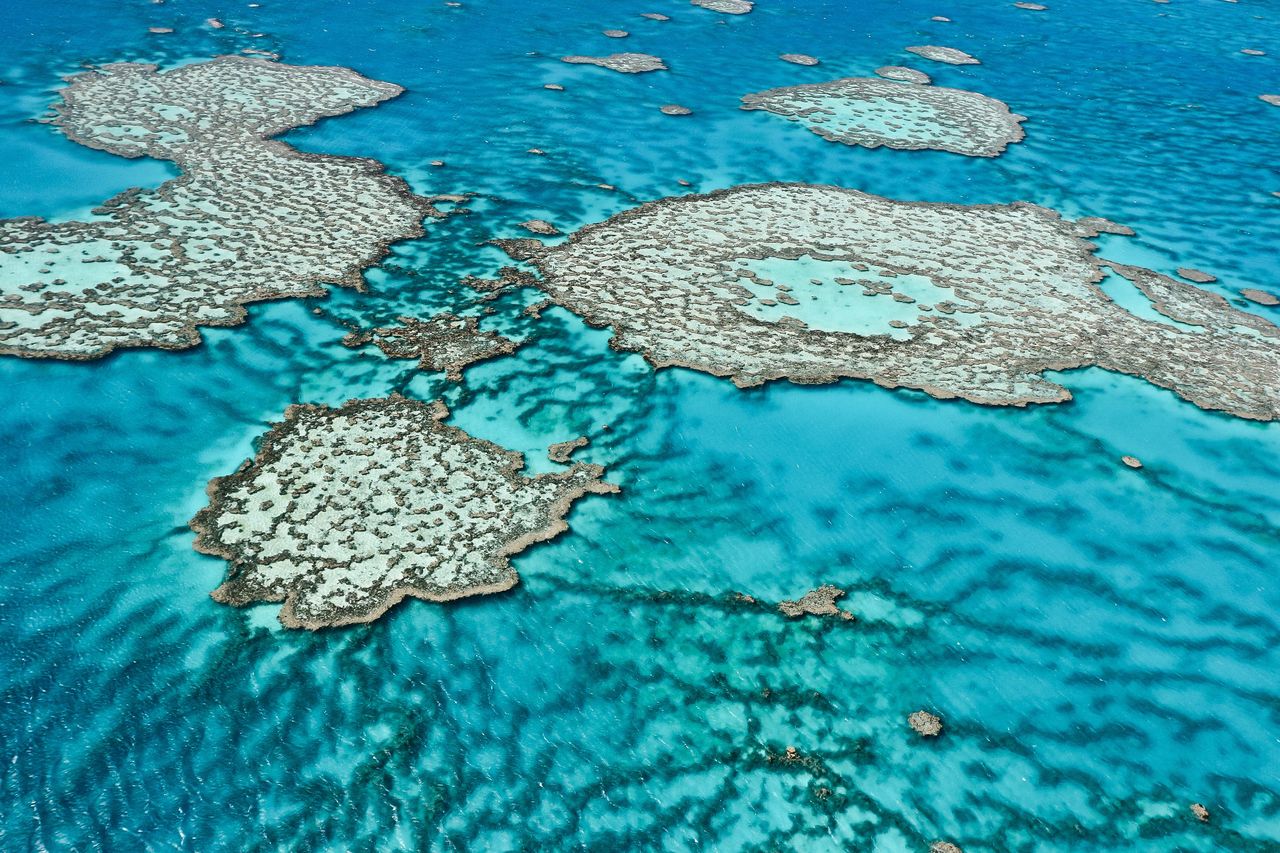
(344, 512)
(727, 7)
(975, 302)
(248, 219)
(562, 451)
(949, 55)
(925, 724)
(907, 115)
(903, 74)
(1198, 276)
(816, 602)
(444, 343)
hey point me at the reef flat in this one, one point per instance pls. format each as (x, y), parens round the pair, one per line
(624, 63)
(816, 602)
(815, 283)
(346, 511)
(444, 343)
(949, 55)
(727, 7)
(1261, 297)
(902, 73)
(249, 218)
(1100, 640)
(905, 115)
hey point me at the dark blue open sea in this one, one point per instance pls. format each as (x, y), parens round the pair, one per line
(1103, 644)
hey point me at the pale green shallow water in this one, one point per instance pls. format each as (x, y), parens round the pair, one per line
(863, 303)
(1101, 642)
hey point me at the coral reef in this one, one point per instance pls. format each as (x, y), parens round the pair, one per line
(925, 724)
(727, 7)
(816, 602)
(444, 343)
(903, 74)
(626, 63)
(815, 283)
(249, 218)
(872, 112)
(949, 55)
(1198, 276)
(344, 512)
(1261, 297)
(540, 226)
(562, 452)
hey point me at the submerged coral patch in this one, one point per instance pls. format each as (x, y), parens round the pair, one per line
(816, 602)
(249, 218)
(346, 511)
(903, 74)
(925, 724)
(562, 452)
(949, 55)
(540, 226)
(444, 343)
(1198, 276)
(976, 302)
(871, 112)
(727, 7)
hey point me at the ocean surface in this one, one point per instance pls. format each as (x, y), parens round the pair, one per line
(1103, 644)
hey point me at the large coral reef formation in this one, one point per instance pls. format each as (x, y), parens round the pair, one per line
(1004, 294)
(345, 512)
(249, 218)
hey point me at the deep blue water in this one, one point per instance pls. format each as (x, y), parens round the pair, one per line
(1103, 644)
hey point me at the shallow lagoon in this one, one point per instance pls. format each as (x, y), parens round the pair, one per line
(1100, 642)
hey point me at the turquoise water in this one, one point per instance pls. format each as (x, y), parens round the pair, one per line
(836, 297)
(1102, 643)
